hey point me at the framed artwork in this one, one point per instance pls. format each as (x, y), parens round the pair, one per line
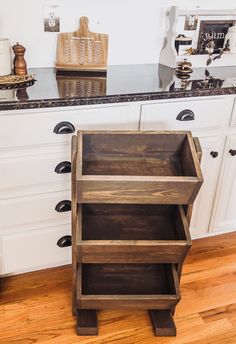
(217, 29)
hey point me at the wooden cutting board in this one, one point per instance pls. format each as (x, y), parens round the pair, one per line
(82, 50)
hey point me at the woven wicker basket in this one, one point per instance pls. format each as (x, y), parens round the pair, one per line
(82, 49)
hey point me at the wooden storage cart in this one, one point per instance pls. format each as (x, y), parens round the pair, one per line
(132, 195)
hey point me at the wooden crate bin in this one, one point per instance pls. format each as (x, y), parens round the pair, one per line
(153, 286)
(132, 199)
(137, 167)
(133, 233)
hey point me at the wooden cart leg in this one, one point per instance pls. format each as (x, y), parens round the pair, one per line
(74, 294)
(87, 324)
(163, 323)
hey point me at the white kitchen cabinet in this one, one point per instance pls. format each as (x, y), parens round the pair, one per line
(33, 171)
(195, 115)
(35, 179)
(30, 150)
(208, 119)
(212, 150)
(34, 128)
(33, 212)
(35, 249)
(224, 210)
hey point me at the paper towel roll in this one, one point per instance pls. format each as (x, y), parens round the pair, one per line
(5, 57)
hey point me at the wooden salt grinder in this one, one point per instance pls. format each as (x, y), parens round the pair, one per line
(20, 67)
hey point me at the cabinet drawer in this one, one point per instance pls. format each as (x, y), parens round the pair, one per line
(35, 211)
(34, 173)
(38, 128)
(33, 250)
(188, 115)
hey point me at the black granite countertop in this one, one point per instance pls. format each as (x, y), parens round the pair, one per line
(128, 83)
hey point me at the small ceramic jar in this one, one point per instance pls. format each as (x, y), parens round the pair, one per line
(5, 57)
(182, 44)
(230, 40)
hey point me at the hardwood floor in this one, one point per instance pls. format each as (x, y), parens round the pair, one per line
(36, 307)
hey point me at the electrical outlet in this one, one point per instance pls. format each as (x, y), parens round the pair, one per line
(51, 18)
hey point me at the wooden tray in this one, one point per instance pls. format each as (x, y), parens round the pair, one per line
(16, 81)
(125, 233)
(82, 50)
(137, 167)
(149, 286)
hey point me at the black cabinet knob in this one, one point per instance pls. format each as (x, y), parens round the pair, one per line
(214, 154)
(64, 128)
(64, 241)
(63, 167)
(186, 115)
(63, 206)
(232, 152)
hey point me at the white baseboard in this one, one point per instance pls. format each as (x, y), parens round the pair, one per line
(210, 234)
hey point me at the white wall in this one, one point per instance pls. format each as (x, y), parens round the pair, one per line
(136, 27)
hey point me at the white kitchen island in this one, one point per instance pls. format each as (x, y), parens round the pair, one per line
(35, 136)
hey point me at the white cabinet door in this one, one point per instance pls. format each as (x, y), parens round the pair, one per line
(224, 211)
(212, 150)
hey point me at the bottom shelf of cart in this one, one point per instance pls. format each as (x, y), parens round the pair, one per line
(148, 286)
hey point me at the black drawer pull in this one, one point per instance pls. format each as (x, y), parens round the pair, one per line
(63, 206)
(64, 128)
(232, 152)
(186, 115)
(64, 241)
(214, 154)
(63, 167)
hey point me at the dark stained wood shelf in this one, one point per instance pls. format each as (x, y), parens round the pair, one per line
(133, 233)
(132, 196)
(160, 167)
(133, 222)
(128, 279)
(161, 164)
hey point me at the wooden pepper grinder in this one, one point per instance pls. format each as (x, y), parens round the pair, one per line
(20, 67)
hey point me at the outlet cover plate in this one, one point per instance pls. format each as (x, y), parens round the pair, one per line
(51, 18)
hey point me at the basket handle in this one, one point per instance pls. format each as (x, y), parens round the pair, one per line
(83, 27)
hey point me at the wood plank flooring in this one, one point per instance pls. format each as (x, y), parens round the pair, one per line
(36, 307)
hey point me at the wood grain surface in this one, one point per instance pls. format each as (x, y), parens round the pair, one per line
(138, 167)
(133, 233)
(36, 307)
(82, 49)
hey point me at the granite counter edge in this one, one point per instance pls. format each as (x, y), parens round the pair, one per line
(112, 99)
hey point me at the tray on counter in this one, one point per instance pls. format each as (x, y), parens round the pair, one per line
(16, 81)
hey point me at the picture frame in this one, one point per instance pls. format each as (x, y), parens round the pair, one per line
(219, 28)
